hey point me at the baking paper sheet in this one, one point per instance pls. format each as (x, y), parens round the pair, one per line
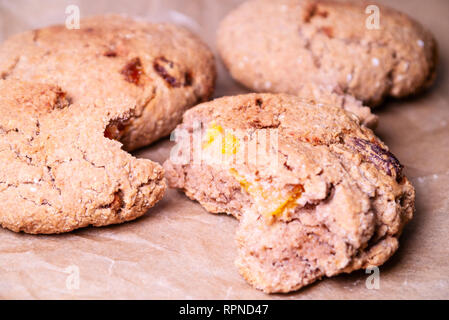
(178, 250)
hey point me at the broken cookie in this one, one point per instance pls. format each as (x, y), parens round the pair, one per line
(67, 96)
(316, 193)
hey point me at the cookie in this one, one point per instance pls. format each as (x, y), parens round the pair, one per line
(320, 95)
(59, 171)
(279, 46)
(71, 100)
(316, 193)
(152, 72)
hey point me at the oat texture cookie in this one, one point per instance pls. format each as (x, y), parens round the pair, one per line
(153, 72)
(58, 171)
(66, 96)
(320, 95)
(281, 45)
(316, 193)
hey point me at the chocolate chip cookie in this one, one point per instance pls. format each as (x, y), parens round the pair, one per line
(316, 193)
(281, 45)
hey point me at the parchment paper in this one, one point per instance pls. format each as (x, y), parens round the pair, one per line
(178, 250)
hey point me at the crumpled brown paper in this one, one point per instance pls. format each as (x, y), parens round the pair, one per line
(178, 250)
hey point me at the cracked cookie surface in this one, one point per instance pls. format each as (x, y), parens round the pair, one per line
(66, 96)
(150, 72)
(316, 193)
(282, 45)
(59, 172)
